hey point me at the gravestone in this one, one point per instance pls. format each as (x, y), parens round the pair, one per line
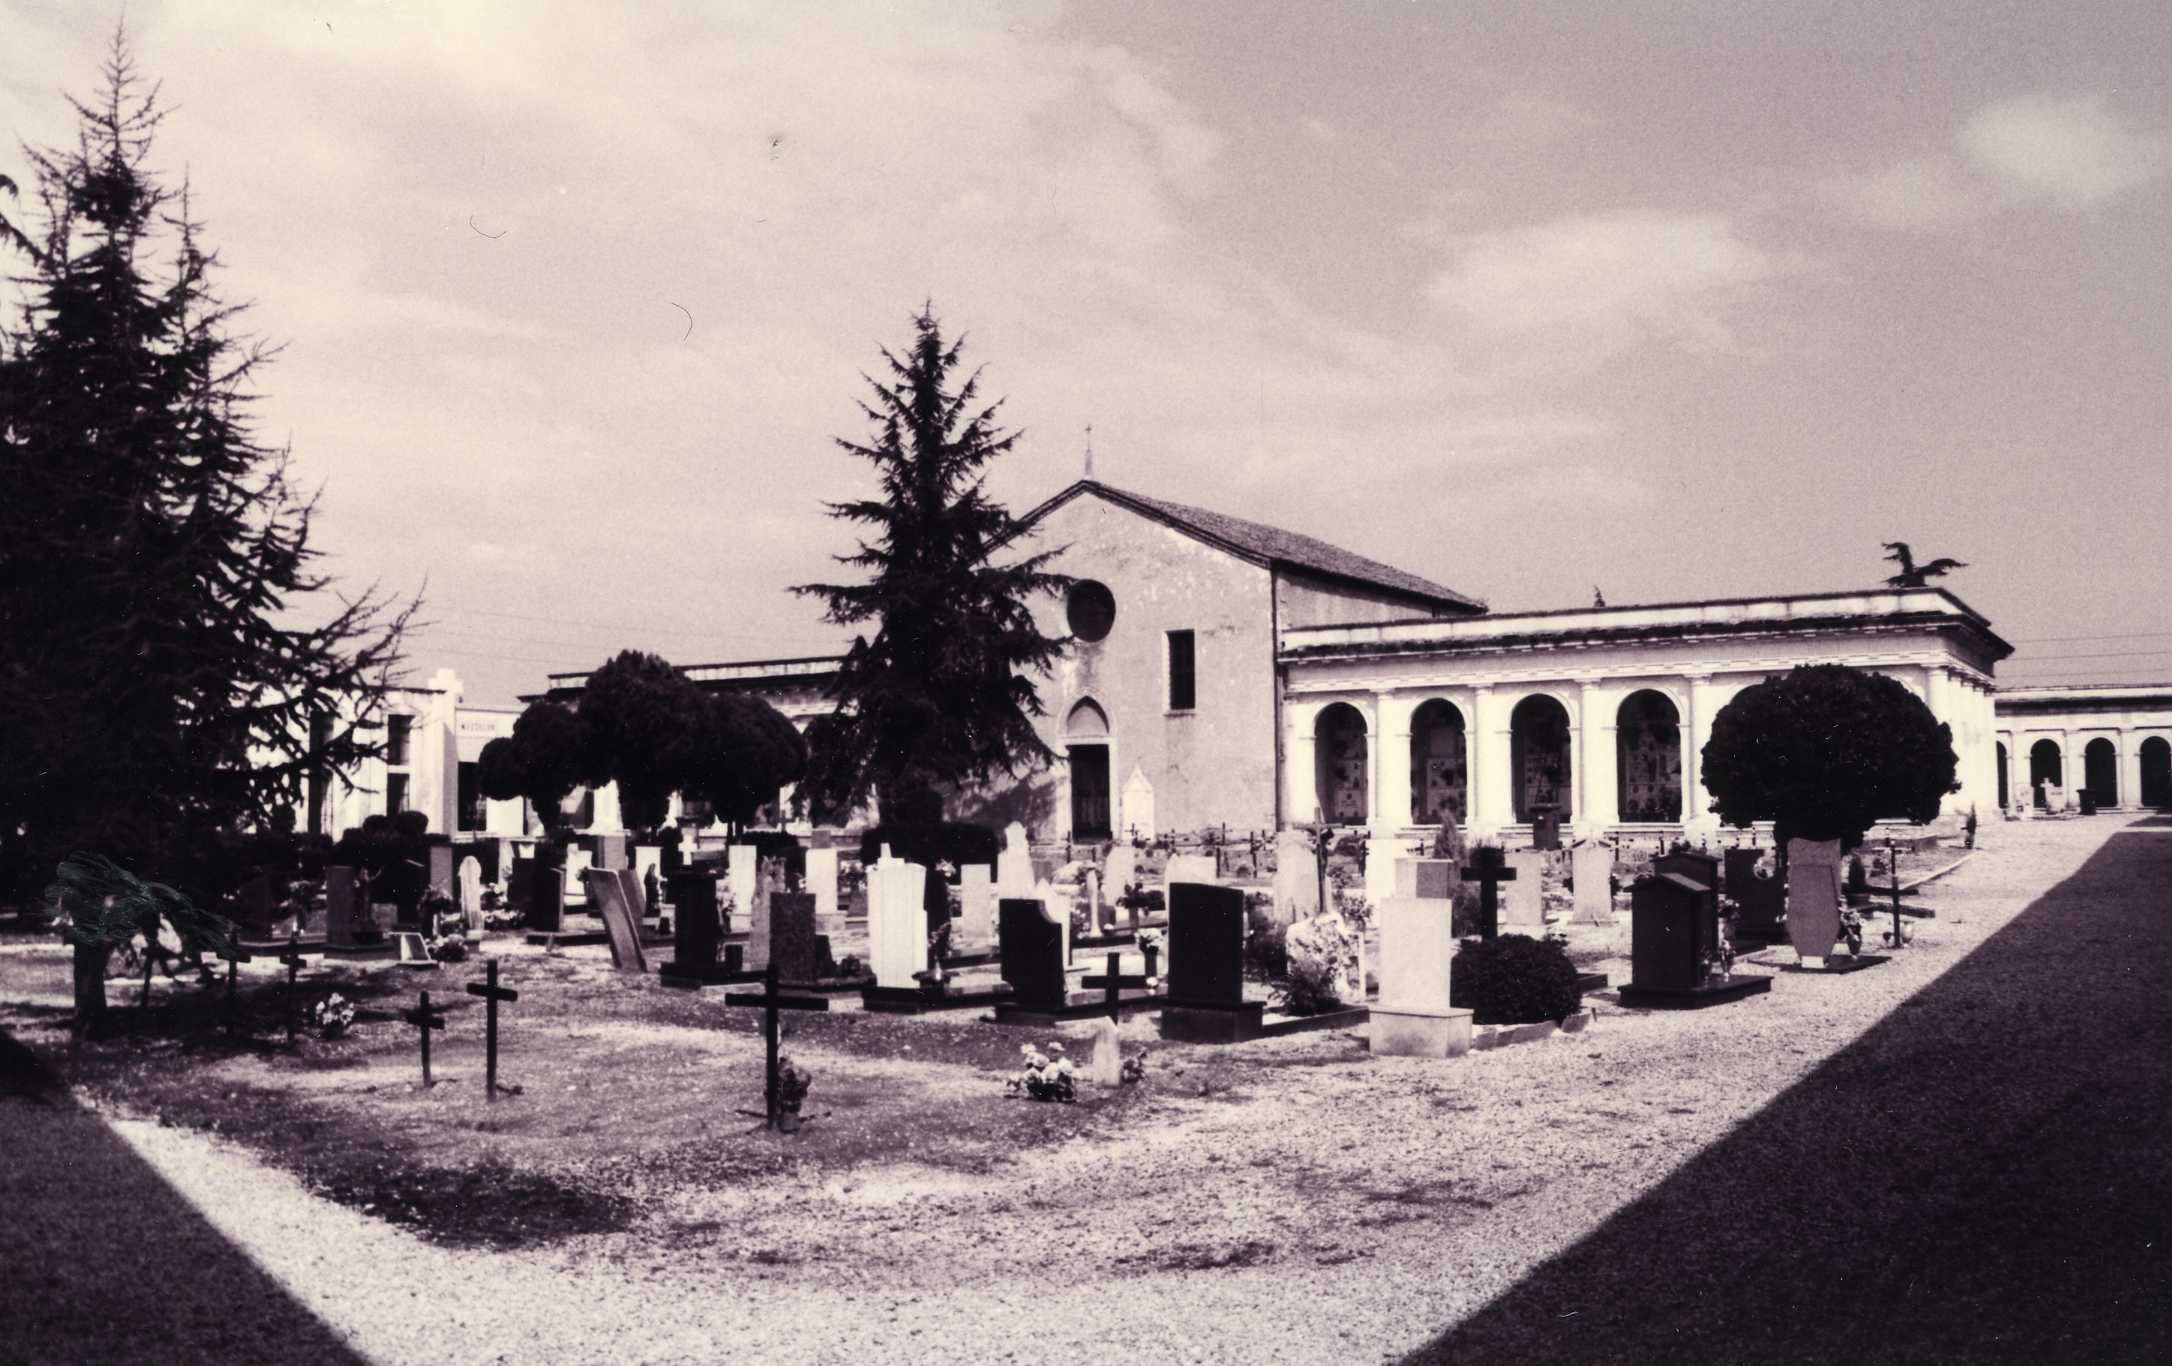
(258, 900)
(793, 936)
(1813, 898)
(1427, 879)
(897, 923)
(1702, 869)
(1030, 941)
(546, 889)
(611, 852)
(1120, 871)
(741, 873)
(1670, 931)
(1198, 868)
(1106, 1064)
(578, 862)
(1546, 828)
(697, 929)
(1757, 896)
(1014, 865)
(520, 884)
(1591, 866)
(768, 875)
(1297, 877)
(441, 869)
(1417, 945)
(1206, 945)
(342, 914)
(822, 882)
(1091, 894)
(976, 904)
(470, 878)
(607, 895)
(1138, 807)
(1523, 901)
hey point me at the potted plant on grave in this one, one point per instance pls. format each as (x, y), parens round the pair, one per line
(1825, 752)
(793, 1083)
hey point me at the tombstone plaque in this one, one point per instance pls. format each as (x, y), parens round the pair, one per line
(1413, 1017)
(821, 880)
(607, 894)
(1297, 877)
(1667, 936)
(470, 879)
(976, 904)
(1205, 983)
(1031, 947)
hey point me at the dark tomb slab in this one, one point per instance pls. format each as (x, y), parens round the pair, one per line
(348, 929)
(1671, 928)
(1030, 944)
(1759, 900)
(1546, 827)
(1206, 967)
(793, 943)
(521, 889)
(698, 935)
(1702, 869)
(257, 902)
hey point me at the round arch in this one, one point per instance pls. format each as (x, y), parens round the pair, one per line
(1538, 756)
(2100, 771)
(2045, 766)
(1648, 758)
(2156, 771)
(1439, 780)
(1341, 780)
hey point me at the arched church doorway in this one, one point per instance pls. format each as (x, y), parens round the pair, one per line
(2005, 798)
(1086, 741)
(2044, 767)
(1438, 781)
(2156, 771)
(1339, 779)
(2100, 772)
(1648, 757)
(1538, 755)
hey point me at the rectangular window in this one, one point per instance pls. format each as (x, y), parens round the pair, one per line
(474, 811)
(397, 730)
(395, 793)
(1183, 674)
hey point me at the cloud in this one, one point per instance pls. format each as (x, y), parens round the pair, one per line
(1584, 288)
(2073, 150)
(1928, 191)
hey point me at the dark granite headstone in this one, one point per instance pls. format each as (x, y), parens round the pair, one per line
(1702, 869)
(610, 852)
(257, 900)
(1759, 900)
(522, 887)
(696, 927)
(1206, 945)
(1546, 828)
(1030, 945)
(1667, 936)
(793, 943)
(547, 892)
(343, 912)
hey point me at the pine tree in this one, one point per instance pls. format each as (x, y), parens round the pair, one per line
(942, 695)
(154, 556)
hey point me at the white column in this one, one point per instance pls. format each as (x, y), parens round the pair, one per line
(1391, 764)
(1598, 786)
(1704, 704)
(1490, 752)
(1301, 792)
(2130, 769)
(2070, 769)
(1373, 742)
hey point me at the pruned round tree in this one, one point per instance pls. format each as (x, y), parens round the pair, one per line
(1827, 751)
(638, 710)
(548, 755)
(738, 755)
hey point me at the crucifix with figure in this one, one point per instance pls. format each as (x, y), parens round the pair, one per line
(1489, 868)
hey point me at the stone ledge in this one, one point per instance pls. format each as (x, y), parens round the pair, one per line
(1501, 1036)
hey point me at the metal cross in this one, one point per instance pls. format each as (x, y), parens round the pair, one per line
(425, 1017)
(491, 993)
(1488, 867)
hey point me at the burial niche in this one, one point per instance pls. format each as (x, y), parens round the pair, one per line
(1538, 754)
(2100, 772)
(2044, 767)
(1340, 758)
(2156, 771)
(1648, 755)
(1438, 780)
(1086, 738)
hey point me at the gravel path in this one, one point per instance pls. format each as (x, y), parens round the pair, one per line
(1331, 1208)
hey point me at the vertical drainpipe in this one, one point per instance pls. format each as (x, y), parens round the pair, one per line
(1274, 663)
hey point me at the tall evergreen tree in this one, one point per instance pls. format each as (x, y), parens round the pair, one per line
(942, 694)
(162, 681)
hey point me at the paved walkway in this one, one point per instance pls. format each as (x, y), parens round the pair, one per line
(1986, 1175)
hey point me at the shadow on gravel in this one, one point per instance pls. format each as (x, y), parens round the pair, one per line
(101, 1261)
(1985, 1175)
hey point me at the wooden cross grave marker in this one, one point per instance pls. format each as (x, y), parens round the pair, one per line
(425, 1018)
(1112, 982)
(771, 1001)
(293, 959)
(234, 954)
(1488, 869)
(491, 993)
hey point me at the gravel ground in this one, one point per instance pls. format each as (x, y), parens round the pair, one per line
(1330, 1207)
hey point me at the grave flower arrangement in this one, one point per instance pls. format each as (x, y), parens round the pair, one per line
(1851, 928)
(793, 1083)
(1719, 960)
(1046, 1076)
(332, 1016)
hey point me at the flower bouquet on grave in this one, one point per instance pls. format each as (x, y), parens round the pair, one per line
(332, 1016)
(1046, 1076)
(793, 1083)
(1719, 960)
(1851, 928)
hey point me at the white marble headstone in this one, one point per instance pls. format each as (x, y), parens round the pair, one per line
(1417, 944)
(1592, 866)
(1014, 865)
(739, 879)
(1138, 808)
(897, 922)
(577, 863)
(470, 878)
(1297, 877)
(976, 903)
(1523, 905)
(1198, 868)
(822, 881)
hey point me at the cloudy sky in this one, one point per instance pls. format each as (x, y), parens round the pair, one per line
(1669, 300)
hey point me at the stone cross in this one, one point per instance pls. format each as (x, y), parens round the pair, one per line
(771, 1001)
(491, 993)
(233, 953)
(425, 1018)
(294, 960)
(1488, 871)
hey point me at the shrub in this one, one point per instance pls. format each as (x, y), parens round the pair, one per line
(1307, 988)
(931, 843)
(1514, 979)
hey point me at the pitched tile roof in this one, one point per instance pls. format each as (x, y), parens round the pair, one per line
(1268, 545)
